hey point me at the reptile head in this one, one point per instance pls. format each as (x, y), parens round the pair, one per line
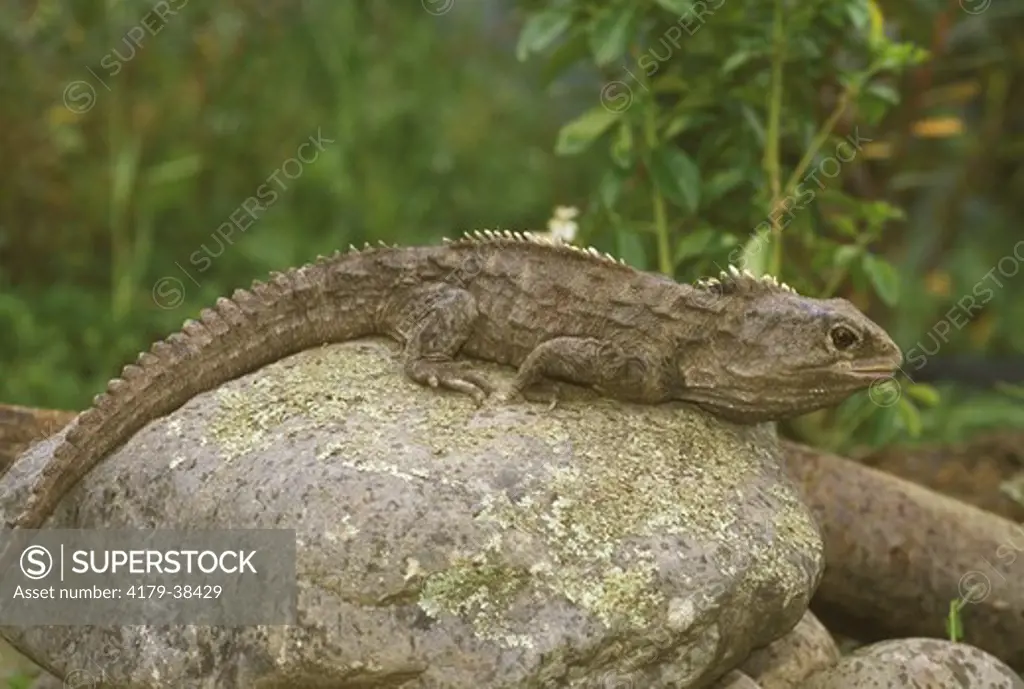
(778, 354)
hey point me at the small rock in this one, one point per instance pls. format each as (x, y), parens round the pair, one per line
(787, 662)
(737, 680)
(918, 663)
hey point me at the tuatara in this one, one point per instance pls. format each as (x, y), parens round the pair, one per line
(747, 349)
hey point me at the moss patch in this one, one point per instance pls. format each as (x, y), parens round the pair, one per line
(481, 589)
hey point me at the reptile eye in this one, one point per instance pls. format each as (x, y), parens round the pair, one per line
(843, 337)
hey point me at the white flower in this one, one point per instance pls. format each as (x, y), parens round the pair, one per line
(562, 226)
(566, 212)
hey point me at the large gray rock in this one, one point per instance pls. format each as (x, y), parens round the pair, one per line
(441, 545)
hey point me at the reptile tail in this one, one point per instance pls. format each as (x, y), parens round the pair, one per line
(302, 308)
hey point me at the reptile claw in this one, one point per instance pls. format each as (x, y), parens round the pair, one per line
(451, 376)
(509, 396)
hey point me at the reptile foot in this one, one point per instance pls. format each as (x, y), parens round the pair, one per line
(537, 393)
(549, 396)
(451, 376)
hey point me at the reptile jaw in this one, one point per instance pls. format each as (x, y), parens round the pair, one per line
(874, 370)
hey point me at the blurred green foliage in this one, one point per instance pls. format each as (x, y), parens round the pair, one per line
(133, 134)
(431, 132)
(818, 141)
(717, 152)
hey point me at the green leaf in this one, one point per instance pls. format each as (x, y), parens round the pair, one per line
(576, 136)
(679, 7)
(630, 248)
(175, 170)
(756, 251)
(910, 417)
(843, 255)
(877, 213)
(755, 124)
(859, 15)
(671, 83)
(736, 60)
(871, 110)
(678, 125)
(883, 276)
(609, 33)
(609, 188)
(693, 244)
(896, 56)
(886, 426)
(622, 147)
(677, 177)
(925, 394)
(846, 226)
(541, 30)
(885, 93)
(563, 58)
(722, 183)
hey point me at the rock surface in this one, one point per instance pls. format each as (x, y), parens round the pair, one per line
(441, 545)
(974, 471)
(917, 664)
(787, 662)
(737, 680)
(898, 554)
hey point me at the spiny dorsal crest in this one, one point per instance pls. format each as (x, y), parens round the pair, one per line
(505, 236)
(367, 248)
(498, 237)
(734, 281)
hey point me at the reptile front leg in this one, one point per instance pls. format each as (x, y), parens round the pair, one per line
(634, 375)
(434, 321)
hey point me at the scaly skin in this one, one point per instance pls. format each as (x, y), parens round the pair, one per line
(749, 350)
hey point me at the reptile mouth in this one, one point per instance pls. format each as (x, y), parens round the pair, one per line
(880, 370)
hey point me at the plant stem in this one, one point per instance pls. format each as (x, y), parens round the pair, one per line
(771, 149)
(821, 137)
(660, 216)
(661, 229)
